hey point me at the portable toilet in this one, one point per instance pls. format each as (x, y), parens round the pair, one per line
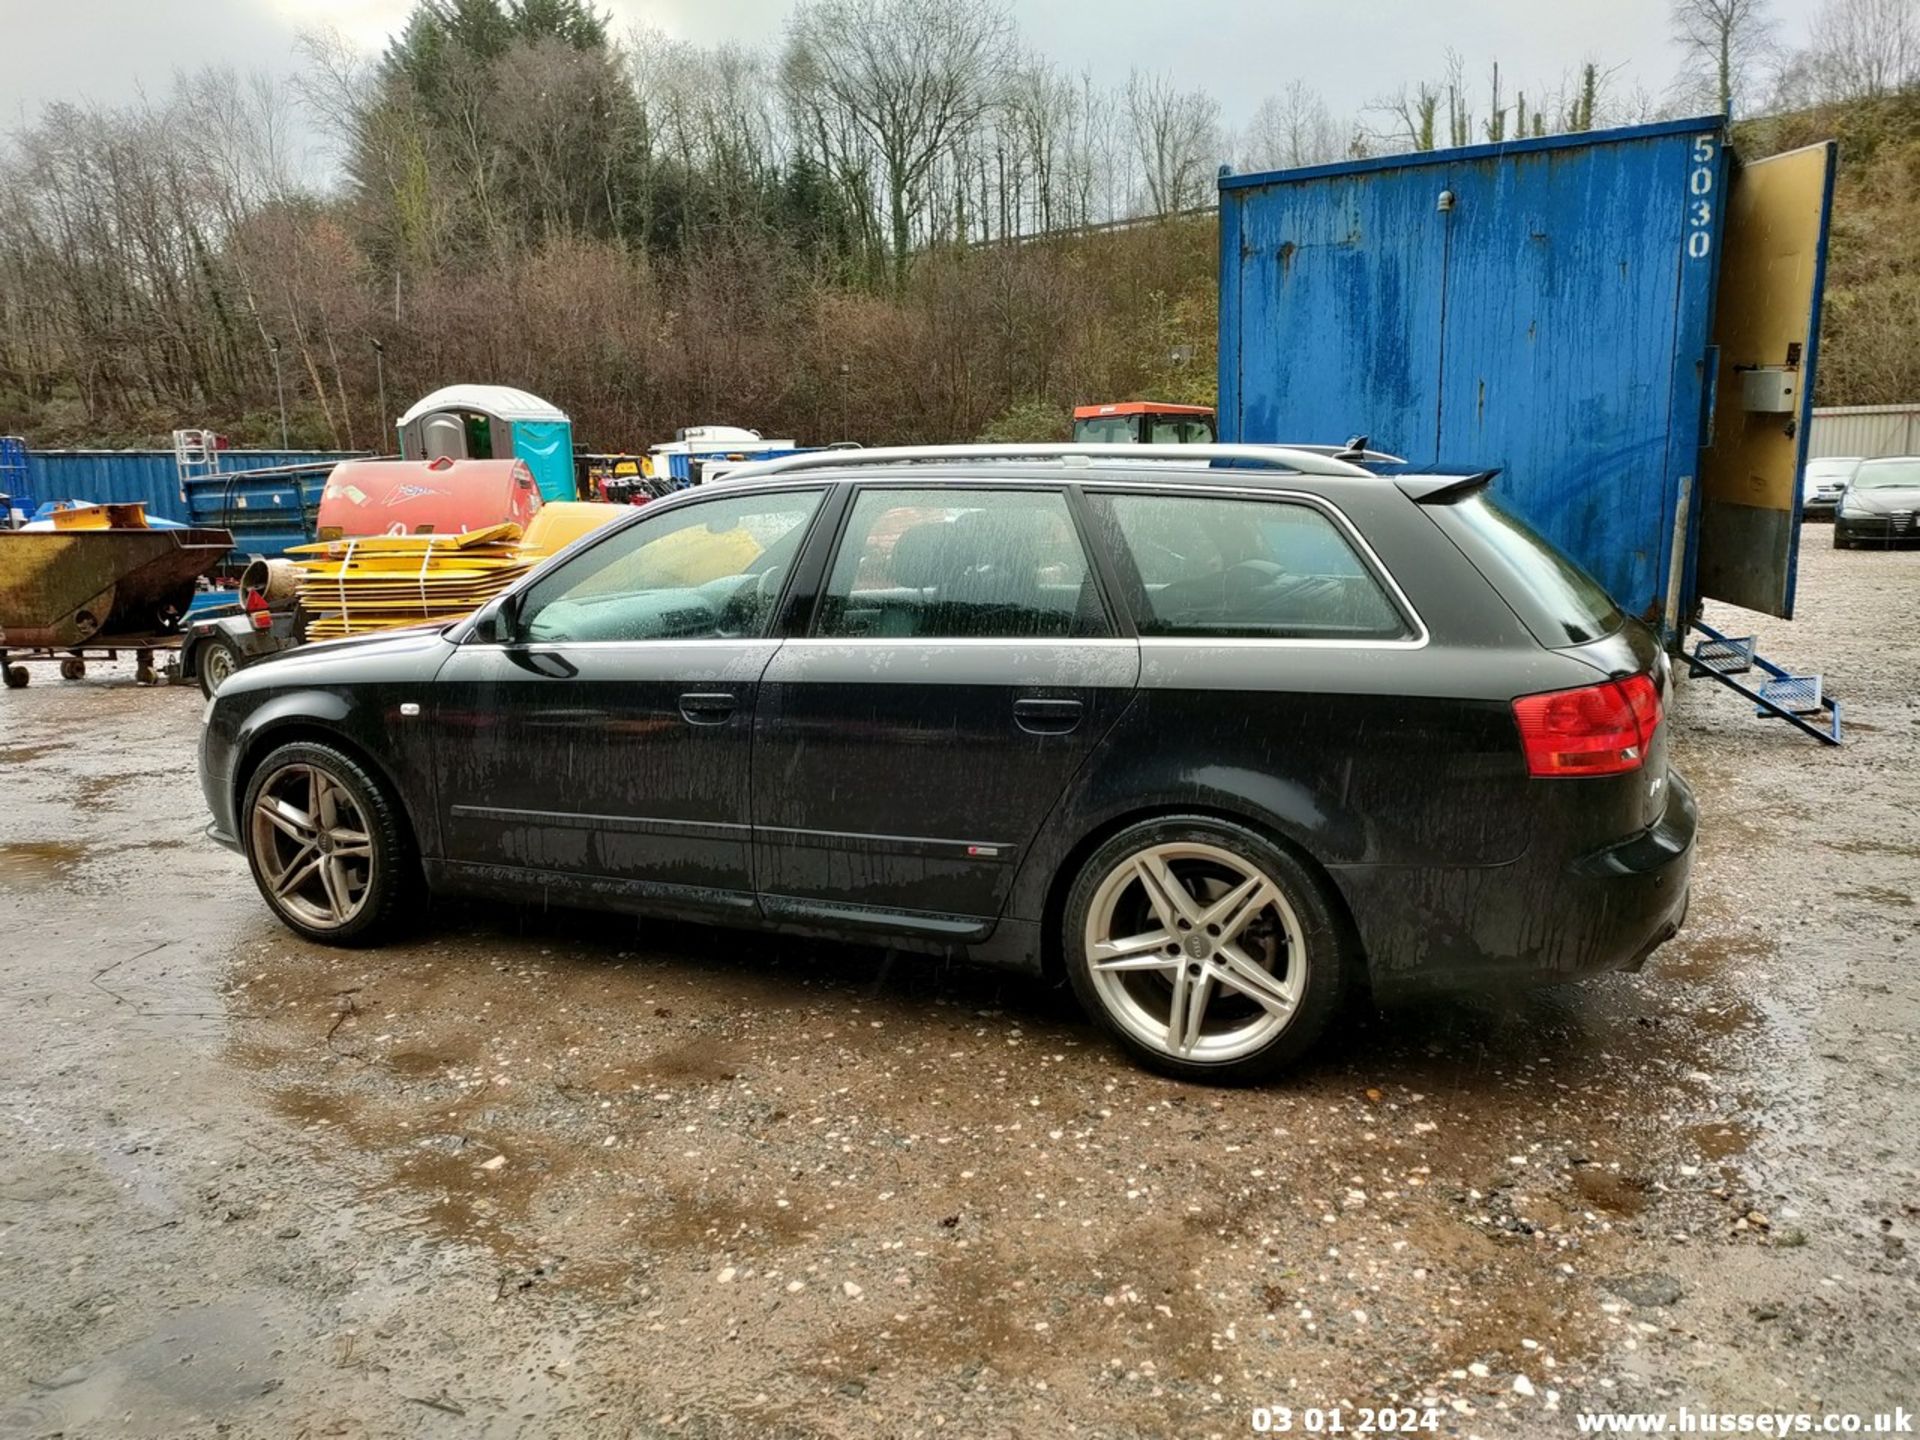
(493, 422)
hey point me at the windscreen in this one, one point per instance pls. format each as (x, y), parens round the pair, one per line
(1888, 475)
(1558, 601)
(1104, 430)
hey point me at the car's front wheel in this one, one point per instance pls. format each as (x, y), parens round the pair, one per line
(1207, 951)
(326, 845)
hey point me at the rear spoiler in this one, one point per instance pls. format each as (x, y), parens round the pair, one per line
(1442, 489)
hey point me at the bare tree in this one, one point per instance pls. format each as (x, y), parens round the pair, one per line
(909, 76)
(1102, 157)
(1863, 50)
(1291, 129)
(1723, 43)
(1177, 134)
(1496, 122)
(1410, 118)
(1042, 114)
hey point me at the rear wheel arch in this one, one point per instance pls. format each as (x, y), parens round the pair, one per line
(1060, 884)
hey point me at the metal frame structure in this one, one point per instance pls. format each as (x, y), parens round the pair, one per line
(1299, 459)
(1783, 696)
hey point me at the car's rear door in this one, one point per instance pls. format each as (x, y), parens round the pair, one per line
(606, 744)
(960, 664)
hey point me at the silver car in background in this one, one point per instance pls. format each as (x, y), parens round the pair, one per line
(1821, 484)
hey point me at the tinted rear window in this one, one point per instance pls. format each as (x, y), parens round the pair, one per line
(1212, 566)
(1557, 600)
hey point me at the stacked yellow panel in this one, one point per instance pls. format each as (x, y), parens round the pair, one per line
(379, 582)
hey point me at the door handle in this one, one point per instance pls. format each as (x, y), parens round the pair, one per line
(1047, 717)
(701, 708)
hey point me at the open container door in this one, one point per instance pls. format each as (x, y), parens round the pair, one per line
(1766, 330)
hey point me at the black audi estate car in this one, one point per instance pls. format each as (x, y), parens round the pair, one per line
(1217, 733)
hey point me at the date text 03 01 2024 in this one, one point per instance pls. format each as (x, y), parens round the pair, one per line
(1338, 1420)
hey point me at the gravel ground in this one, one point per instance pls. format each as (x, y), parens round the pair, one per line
(551, 1174)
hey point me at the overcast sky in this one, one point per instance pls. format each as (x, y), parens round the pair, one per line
(1241, 50)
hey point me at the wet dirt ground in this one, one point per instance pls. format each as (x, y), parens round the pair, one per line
(558, 1175)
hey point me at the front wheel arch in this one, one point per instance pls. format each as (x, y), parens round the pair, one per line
(270, 737)
(347, 815)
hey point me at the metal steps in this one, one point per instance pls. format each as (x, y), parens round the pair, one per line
(1800, 700)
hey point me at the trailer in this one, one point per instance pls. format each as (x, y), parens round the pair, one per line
(1624, 323)
(104, 583)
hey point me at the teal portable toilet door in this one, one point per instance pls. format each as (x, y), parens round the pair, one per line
(547, 447)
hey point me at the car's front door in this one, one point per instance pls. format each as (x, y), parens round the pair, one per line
(605, 741)
(960, 666)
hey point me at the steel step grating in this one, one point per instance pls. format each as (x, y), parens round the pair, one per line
(1727, 655)
(1798, 693)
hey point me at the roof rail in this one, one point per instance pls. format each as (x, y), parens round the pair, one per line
(1300, 459)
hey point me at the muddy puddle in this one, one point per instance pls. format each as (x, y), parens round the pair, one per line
(32, 863)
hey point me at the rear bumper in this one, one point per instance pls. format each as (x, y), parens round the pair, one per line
(1533, 922)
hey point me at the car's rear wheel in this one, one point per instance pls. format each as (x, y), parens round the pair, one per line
(1207, 951)
(326, 845)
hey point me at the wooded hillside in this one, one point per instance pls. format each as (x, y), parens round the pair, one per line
(831, 238)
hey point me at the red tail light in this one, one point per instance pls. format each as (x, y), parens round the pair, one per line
(1602, 729)
(259, 613)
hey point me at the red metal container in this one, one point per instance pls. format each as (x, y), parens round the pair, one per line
(425, 497)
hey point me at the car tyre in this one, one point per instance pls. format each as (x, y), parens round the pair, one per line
(327, 846)
(1841, 541)
(1205, 950)
(216, 661)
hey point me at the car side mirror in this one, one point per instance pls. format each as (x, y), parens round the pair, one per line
(496, 624)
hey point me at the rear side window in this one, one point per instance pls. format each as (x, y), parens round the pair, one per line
(1258, 569)
(947, 564)
(1558, 601)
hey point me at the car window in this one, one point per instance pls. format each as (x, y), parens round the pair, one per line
(708, 570)
(947, 564)
(1210, 566)
(1181, 432)
(1901, 474)
(1558, 601)
(1105, 430)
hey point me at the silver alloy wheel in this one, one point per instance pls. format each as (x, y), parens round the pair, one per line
(217, 666)
(312, 846)
(1195, 952)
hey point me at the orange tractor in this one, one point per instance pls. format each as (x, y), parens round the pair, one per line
(1143, 422)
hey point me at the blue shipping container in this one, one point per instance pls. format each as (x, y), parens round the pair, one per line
(1623, 322)
(266, 512)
